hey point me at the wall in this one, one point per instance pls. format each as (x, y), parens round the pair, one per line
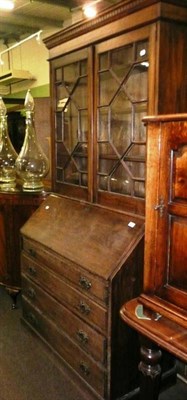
(31, 56)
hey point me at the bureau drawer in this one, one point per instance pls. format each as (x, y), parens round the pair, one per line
(93, 373)
(84, 280)
(89, 339)
(82, 305)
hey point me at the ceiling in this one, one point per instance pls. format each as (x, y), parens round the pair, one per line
(29, 16)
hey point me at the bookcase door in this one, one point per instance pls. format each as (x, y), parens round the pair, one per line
(166, 211)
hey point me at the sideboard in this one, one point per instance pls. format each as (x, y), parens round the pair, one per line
(15, 208)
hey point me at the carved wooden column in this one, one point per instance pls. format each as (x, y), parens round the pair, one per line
(150, 370)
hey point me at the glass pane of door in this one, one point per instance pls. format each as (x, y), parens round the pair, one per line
(71, 135)
(122, 103)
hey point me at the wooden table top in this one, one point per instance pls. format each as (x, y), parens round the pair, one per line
(166, 333)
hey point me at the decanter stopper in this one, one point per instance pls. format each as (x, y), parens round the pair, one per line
(32, 164)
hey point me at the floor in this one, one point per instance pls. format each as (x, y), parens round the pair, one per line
(28, 371)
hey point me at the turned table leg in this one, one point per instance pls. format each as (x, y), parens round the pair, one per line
(13, 293)
(150, 370)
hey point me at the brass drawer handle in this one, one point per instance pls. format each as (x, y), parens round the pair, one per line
(84, 368)
(82, 336)
(31, 293)
(32, 319)
(84, 308)
(32, 271)
(32, 252)
(85, 283)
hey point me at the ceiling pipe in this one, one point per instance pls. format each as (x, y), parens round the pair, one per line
(64, 3)
(36, 34)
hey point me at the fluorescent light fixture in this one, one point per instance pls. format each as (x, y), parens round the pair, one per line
(6, 5)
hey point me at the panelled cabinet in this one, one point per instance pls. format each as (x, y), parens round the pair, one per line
(165, 275)
(163, 301)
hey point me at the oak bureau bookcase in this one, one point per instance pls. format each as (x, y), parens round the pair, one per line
(83, 249)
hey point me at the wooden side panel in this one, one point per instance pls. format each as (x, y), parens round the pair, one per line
(165, 273)
(125, 354)
(152, 178)
(172, 84)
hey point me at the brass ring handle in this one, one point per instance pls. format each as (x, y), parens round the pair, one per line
(82, 336)
(85, 283)
(84, 308)
(31, 293)
(32, 318)
(32, 252)
(32, 270)
(84, 368)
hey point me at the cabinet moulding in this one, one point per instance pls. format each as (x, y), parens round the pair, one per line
(123, 9)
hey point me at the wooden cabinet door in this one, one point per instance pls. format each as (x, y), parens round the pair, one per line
(122, 66)
(166, 211)
(100, 97)
(71, 141)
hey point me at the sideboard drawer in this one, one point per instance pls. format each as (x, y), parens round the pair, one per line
(79, 303)
(89, 339)
(85, 281)
(93, 373)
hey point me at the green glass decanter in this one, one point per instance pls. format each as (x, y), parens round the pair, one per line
(32, 164)
(8, 154)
